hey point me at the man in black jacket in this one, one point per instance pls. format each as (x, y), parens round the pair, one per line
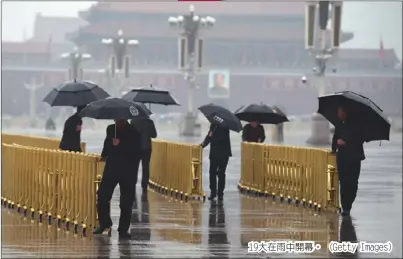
(121, 152)
(147, 130)
(253, 132)
(348, 143)
(71, 139)
(50, 124)
(220, 152)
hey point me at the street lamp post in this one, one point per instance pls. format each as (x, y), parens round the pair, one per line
(32, 86)
(119, 60)
(190, 57)
(322, 50)
(76, 58)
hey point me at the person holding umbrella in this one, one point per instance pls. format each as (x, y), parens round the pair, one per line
(357, 119)
(256, 114)
(222, 121)
(253, 132)
(71, 139)
(147, 131)
(121, 151)
(150, 95)
(347, 143)
(74, 94)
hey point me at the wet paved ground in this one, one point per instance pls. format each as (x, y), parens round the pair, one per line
(162, 227)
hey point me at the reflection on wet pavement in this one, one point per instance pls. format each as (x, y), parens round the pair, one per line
(163, 227)
(265, 219)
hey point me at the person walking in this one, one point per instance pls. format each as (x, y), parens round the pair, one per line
(71, 139)
(220, 152)
(146, 128)
(253, 132)
(121, 152)
(347, 143)
(50, 124)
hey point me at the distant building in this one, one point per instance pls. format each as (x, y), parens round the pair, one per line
(261, 44)
(245, 35)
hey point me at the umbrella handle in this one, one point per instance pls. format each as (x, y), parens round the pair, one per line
(215, 127)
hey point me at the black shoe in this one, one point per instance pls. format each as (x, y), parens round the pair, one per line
(100, 230)
(211, 197)
(345, 213)
(124, 235)
(220, 197)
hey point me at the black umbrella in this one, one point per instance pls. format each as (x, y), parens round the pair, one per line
(75, 93)
(220, 116)
(262, 113)
(362, 110)
(150, 94)
(115, 108)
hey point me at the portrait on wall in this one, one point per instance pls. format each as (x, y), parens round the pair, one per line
(219, 84)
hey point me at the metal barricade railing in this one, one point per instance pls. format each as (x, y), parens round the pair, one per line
(296, 174)
(176, 169)
(182, 222)
(34, 141)
(52, 184)
(283, 223)
(60, 186)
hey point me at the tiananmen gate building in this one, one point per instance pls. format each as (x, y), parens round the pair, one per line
(259, 45)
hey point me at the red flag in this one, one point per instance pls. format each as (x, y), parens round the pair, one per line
(381, 52)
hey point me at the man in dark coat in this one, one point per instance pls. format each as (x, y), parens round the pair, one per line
(147, 131)
(121, 152)
(71, 139)
(348, 143)
(220, 152)
(253, 132)
(50, 124)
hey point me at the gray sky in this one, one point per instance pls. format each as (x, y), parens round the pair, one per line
(367, 20)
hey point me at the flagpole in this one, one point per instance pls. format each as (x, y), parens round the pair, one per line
(381, 53)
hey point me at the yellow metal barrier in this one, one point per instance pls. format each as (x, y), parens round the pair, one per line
(34, 141)
(176, 169)
(49, 183)
(303, 175)
(282, 222)
(182, 221)
(60, 186)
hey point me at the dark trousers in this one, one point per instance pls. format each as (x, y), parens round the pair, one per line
(218, 166)
(349, 172)
(145, 165)
(70, 146)
(117, 172)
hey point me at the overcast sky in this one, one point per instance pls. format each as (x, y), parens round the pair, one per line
(367, 20)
